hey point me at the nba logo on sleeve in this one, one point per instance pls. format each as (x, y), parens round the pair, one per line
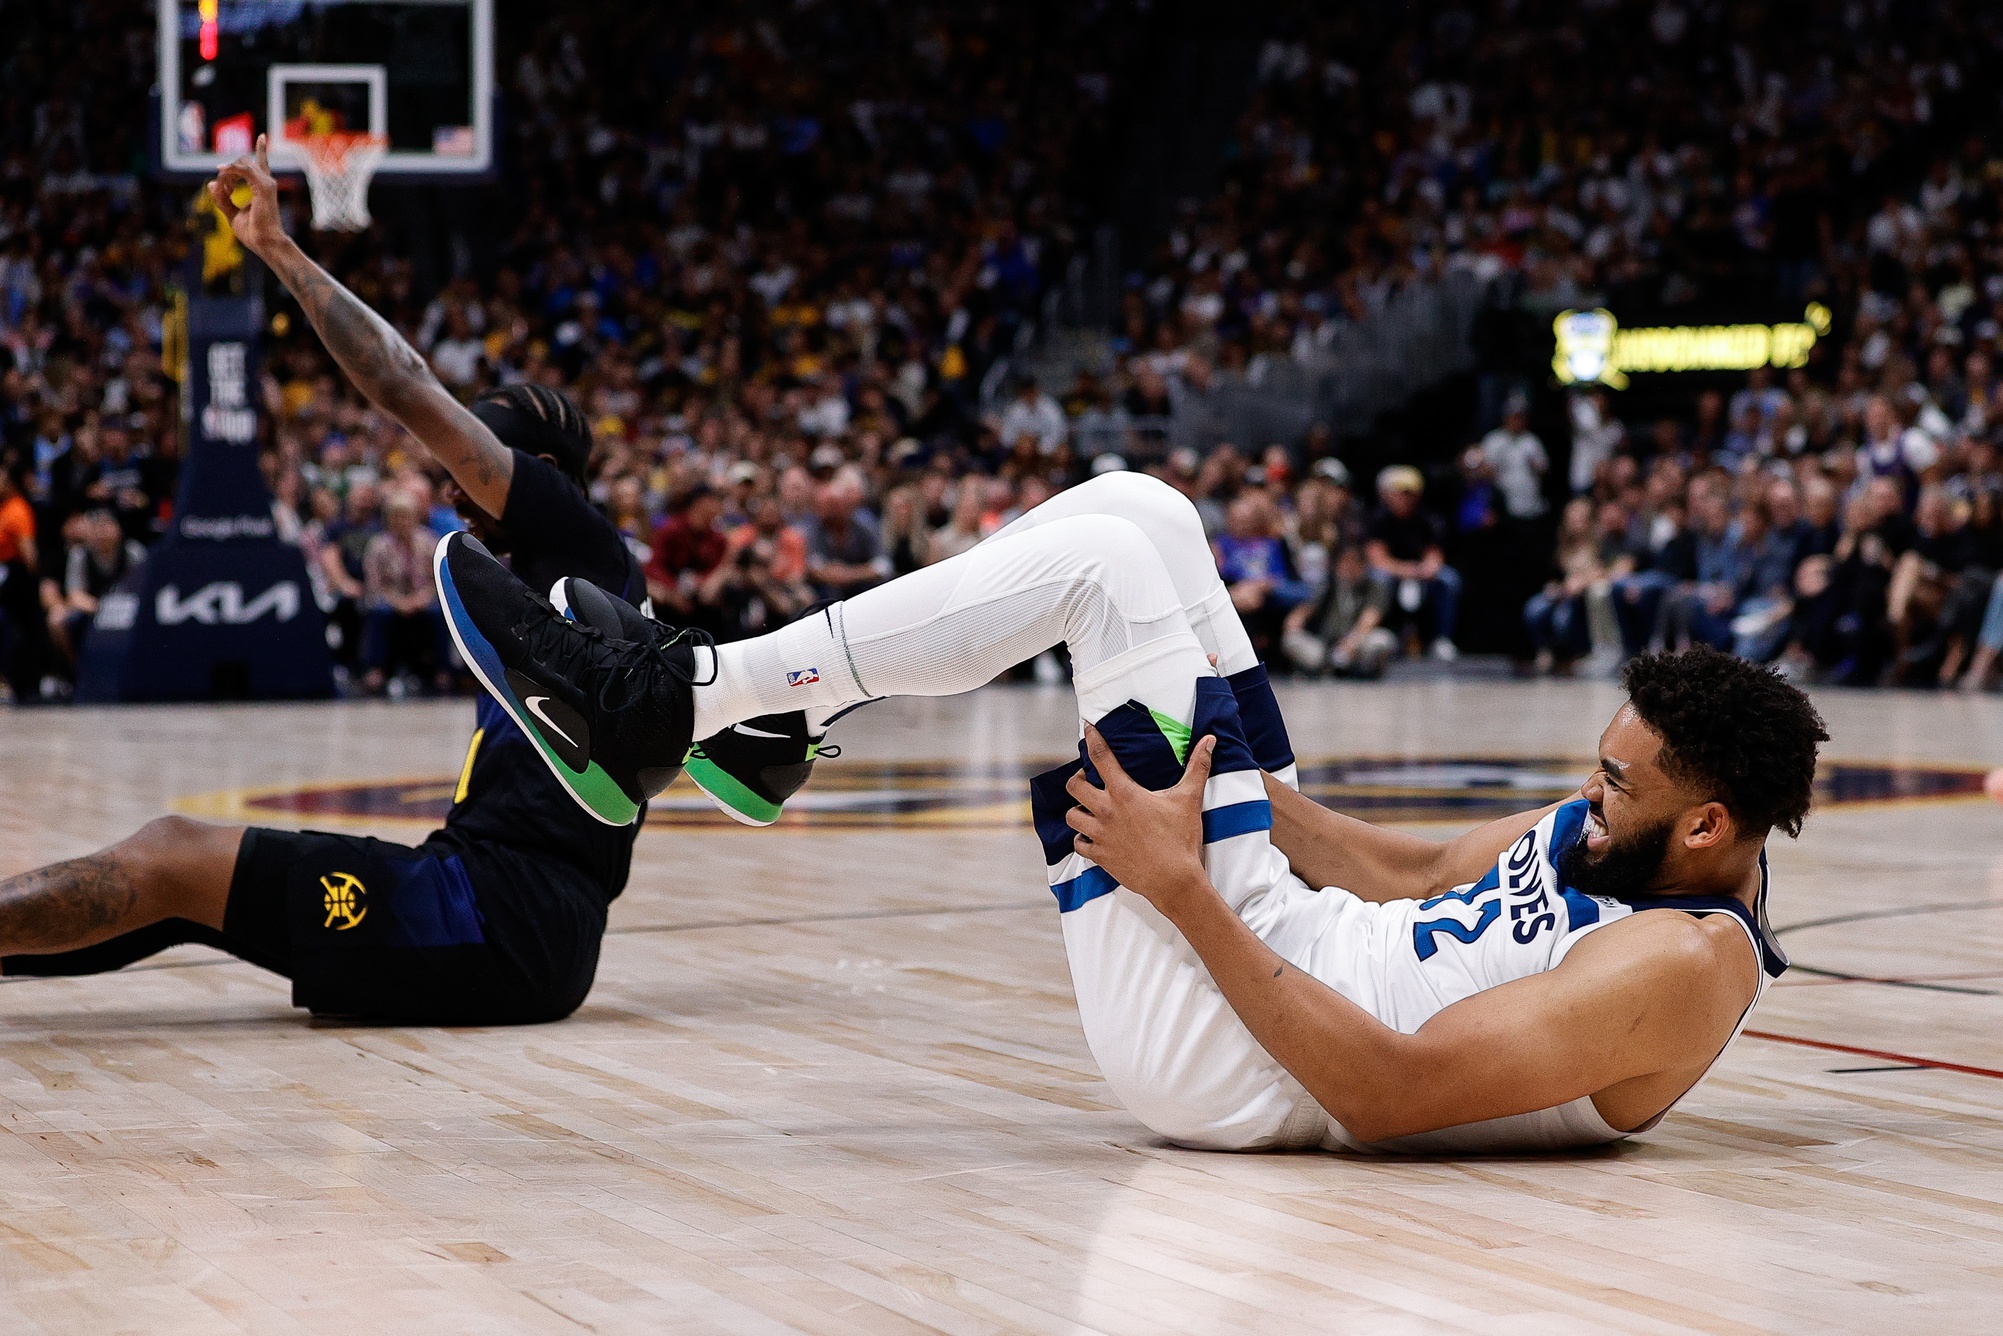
(805, 677)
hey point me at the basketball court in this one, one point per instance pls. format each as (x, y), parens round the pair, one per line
(831, 1077)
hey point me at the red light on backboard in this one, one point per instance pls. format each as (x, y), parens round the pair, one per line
(208, 11)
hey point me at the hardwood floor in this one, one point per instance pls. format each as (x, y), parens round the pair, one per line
(831, 1078)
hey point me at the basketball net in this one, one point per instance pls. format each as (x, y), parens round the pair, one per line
(339, 164)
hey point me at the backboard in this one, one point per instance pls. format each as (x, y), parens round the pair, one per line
(420, 71)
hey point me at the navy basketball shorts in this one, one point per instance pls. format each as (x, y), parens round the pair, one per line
(375, 931)
(429, 935)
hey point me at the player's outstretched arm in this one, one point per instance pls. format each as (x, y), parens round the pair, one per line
(1637, 1010)
(1327, 848)
(375, 357)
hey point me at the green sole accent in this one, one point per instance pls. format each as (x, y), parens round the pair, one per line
(594, 788)
(721, 785)
(1177, 734)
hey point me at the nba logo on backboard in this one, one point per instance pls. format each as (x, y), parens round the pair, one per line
(805, 677)
(193, 127)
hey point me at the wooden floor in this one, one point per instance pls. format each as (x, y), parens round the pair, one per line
(831, 1079)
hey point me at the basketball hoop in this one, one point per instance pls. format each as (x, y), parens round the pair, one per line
(339, 164)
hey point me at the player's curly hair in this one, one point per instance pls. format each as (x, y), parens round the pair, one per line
(1737, 730)
(541, 421)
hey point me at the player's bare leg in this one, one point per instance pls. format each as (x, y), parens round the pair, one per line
(170, 868)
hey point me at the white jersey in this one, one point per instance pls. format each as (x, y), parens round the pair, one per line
(1406, 960)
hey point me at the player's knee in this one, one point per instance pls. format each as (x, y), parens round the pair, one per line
(1117, 554)
(150, 848)
(1159, 510)
(181, 860)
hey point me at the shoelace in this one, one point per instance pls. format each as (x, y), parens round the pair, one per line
(630, 668)
(816, 751)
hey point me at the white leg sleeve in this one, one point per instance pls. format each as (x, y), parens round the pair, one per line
(1176, 530)
(1095, 584)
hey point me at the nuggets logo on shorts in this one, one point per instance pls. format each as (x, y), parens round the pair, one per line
(804, 677)
(344, 901)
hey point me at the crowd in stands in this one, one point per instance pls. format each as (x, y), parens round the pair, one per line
(773, 254)
(759, 247)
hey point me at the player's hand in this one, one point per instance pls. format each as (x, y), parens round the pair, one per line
(255, 220)
(1150, 842)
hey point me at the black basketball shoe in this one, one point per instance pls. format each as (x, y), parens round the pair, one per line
(748, 770)
(612, 718)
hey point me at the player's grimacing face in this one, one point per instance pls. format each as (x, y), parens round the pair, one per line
(1630, 795)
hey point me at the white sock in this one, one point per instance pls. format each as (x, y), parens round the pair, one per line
(798, 667)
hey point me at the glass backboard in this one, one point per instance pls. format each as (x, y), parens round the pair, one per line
(420, 71)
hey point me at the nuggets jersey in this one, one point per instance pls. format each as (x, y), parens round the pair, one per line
(1406, 960)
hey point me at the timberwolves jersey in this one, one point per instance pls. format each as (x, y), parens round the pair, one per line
(1407, 960)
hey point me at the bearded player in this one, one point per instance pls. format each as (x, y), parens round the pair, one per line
(496, 917)
(1558, 978)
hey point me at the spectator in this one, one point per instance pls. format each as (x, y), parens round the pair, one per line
(1405, 549)
(963, 529)
(1769, 539)
(120, 482)
(343, 555)
(1596, 435)
(1988, 644)
(1925, 577)
(1341, 630)
(687, 548)
(404, 634)
(1840, 625)
(844, 544)
(1662, 551)
(1700, 610)
(1556, 616)
(761, 583)
(1966, 606)
(1765, 617)
(1516, 460)
(1314, 531)
(1520, 545)
(1253, 560)
(18, 594)
(1033, 416)
(457, 357)
(96, 561)
(1893, 451)
(323, 515)
(907, 542)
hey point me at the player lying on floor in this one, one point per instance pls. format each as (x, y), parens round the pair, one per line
(1558, 978)
(497, 916)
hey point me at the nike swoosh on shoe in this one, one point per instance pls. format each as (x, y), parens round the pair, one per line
(534, 704)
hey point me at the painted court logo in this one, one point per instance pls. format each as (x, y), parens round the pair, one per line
(343, 901)
(805, 677)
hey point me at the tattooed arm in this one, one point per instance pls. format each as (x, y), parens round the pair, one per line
(376, 358)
